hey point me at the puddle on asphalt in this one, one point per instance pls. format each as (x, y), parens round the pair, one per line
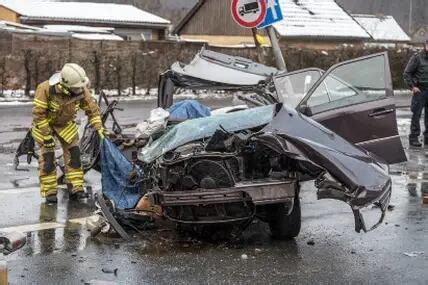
(163, 240)
(7, 149)
(416, 171)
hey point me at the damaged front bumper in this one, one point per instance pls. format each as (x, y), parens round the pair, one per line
(357, 200)
(221, 205)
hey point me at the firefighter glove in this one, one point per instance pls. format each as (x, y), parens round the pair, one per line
(101, 134)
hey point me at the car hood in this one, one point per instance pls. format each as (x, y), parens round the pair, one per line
(353, 167)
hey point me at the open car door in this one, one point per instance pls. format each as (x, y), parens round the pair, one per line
(355, 100)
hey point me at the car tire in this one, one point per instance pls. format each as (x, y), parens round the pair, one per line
(283, 226)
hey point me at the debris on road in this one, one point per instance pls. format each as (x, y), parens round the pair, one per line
(99, 282)
(110, 271)
(413, 253)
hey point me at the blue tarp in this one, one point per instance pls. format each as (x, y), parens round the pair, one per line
(115, 183)
(188, 109)
(196, 129)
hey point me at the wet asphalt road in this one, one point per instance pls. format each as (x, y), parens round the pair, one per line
(60, 251)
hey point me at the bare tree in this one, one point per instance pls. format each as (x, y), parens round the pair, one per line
(118, 71)
(133, 72)
(96, 61)
(4, 77)
(28, 55)
(36, 64)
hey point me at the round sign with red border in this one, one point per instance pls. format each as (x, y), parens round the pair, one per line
(248, 13)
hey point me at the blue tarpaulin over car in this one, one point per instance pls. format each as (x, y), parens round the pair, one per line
(115, 170)
(196, 129)
(188, 109)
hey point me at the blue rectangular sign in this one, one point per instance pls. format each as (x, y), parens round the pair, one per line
(273, 14)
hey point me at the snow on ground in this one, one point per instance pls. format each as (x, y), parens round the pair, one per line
(17, 97)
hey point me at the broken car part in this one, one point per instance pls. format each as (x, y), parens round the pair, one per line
(11, 242)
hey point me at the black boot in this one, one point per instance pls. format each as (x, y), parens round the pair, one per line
(51, 198)
(415, 143)
(78, 195)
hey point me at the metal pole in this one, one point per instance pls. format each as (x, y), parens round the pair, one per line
(258, 47)
(279, 59)
(410, 16)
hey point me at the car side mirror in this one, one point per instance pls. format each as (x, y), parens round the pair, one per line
(305, 110)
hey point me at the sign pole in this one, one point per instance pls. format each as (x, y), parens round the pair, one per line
(260, 14)
(279, 59)
(258, 47)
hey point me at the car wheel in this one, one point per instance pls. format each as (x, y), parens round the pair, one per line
(283, 226)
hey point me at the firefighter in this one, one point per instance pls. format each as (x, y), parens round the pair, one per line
(55, 105)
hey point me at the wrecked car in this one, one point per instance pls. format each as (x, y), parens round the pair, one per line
(336, 127)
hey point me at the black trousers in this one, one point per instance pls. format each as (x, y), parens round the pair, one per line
(419, 102)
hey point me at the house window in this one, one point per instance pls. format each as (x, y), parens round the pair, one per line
(147, 35)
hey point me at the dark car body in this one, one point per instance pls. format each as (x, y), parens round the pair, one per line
(337, 128)
(275, 149)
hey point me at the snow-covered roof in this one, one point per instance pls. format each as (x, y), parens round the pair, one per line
(79, 28)
(82, 12)
(6, 25)
(317, 18)
(382, 28)
(97, 37)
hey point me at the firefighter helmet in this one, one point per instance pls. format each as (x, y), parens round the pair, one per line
(73, 76)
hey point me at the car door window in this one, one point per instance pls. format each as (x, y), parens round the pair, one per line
(292, 87)
(351, 83)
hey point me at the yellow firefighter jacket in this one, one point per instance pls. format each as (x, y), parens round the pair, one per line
(55, 112)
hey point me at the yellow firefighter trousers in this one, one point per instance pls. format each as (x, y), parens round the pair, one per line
(73, 167)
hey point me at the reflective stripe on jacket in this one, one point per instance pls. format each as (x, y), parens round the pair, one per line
(54, 112)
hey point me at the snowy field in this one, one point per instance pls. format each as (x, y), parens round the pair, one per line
(18, 97)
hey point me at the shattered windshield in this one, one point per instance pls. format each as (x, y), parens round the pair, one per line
(192, 130)
(292, 87)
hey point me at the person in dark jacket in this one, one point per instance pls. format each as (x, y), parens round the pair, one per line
(416, 78)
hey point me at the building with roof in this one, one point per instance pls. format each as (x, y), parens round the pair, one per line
(382, 29)
(127, 21)
(421, 35)
(70, 31)
(307, 23)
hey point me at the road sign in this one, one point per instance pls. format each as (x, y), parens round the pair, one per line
(273, 14)
(248, 13)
